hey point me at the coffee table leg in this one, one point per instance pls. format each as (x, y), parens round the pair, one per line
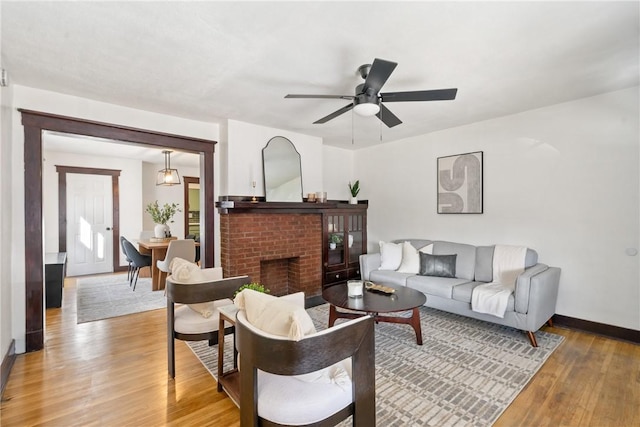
(415, 323)
(332, 315)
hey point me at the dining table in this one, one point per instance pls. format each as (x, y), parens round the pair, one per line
(158, 251)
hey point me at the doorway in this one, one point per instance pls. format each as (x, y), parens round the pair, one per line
(192, 206)
(34, 124)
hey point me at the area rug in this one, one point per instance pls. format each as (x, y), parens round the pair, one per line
(110, 296)
(466, 373)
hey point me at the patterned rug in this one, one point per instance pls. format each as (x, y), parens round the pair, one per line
(103, 297)
(466, 373)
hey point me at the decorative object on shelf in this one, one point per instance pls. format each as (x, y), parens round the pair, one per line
(161, 216)
(254, 286)
(354, 190)
(460, 183)
(311, 197)
(321, 196)
(167, 176)
(334, 240)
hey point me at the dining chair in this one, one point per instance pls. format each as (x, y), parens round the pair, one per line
(197, 240)
(129, 261)
(181, 248)
(138, 261)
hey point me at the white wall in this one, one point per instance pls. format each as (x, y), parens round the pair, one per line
(6, 317)
(337, 172)
(164, 194)
(129, 186)
(56, 103)
(563, 180)
(244, 155)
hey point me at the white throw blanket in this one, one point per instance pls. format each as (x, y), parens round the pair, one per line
(508, 264)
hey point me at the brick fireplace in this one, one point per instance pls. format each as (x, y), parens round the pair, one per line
(282, 251)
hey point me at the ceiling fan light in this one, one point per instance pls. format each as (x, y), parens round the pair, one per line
(366, 109)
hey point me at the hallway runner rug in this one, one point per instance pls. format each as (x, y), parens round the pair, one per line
(102, 297)
(466, 373)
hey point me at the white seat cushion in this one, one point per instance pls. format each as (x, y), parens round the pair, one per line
(288, 400)
(188, 321)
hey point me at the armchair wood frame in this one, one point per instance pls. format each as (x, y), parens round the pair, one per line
(193, 293)
(286, 357)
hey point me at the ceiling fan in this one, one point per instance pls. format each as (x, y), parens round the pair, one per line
(368, 100)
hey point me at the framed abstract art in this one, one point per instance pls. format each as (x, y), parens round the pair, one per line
(460, 183)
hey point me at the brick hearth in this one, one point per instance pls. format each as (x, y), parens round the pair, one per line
(280, 250)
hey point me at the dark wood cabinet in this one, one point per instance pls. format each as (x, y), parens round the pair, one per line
(344, 236)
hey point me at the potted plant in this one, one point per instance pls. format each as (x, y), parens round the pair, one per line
(334, 240)
(255, 286)
(354, 190)
(162, 215)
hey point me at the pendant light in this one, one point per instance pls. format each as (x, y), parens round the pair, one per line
(167, 176)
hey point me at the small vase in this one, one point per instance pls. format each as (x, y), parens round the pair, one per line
(332, 245)
(353, 200)
(161, 231)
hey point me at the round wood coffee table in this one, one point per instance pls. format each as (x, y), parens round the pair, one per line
(403, 299)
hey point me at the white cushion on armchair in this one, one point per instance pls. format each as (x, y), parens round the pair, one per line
(302, 399)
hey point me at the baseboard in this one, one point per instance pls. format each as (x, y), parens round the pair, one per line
(7, 364)
(609, 331)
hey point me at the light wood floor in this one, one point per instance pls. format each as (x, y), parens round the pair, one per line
(114, 373)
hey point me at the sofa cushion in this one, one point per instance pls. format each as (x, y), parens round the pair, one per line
(411, 257)
(386, 277)
(430, 285)
(390, 255)
(463, 293)
(484, 263)
(437, 265)
(466, 260)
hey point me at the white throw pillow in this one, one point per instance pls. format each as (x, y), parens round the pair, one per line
(411, 257)
(275, 315)
(390, 255)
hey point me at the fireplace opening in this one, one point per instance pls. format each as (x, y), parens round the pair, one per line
(281, 276)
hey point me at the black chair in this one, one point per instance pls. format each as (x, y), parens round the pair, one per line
(138, 261)
(129, 269)
(197, 240)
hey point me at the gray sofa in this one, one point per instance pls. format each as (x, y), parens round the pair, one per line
(530, 306)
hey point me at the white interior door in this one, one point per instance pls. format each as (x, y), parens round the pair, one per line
(89, 224)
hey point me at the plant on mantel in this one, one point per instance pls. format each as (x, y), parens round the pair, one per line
(354, 190)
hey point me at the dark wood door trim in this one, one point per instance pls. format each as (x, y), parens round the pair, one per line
(186, 181)
(34, 124)
(115, 206)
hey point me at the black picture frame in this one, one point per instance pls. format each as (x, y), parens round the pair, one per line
(460, 183)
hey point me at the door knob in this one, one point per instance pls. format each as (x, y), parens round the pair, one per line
(108, 228)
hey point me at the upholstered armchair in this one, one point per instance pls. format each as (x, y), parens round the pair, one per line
(199, 293)
(317, 380)
(185, 249)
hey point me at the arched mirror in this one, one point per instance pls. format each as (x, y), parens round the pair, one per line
(282, 171)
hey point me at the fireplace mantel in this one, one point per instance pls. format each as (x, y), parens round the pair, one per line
(279, 244)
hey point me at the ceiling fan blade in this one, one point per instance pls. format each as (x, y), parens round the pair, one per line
(387, 117)
(321, 96)
(378, 75)
(420, 95)
(334, 114)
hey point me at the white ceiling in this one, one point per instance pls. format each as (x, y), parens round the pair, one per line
(237, 60)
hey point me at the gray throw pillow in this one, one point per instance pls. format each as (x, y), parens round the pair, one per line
(437, 265)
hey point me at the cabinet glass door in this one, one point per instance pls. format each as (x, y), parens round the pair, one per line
(355, 237)
(335, 233)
